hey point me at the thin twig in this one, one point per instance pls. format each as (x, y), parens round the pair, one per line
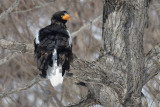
(35, 7)
(96, 20)
(8, 58)
(6, 12)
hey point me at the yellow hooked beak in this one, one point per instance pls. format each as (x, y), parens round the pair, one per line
(66, 17)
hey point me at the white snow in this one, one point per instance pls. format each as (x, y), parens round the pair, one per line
(69, 39)
(54, 73)
(96, 31)
(81, 0)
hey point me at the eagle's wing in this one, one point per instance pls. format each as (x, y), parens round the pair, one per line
(64, 50)
(50, 42)
(43, 50)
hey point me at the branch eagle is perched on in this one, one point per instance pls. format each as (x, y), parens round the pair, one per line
(53, 48)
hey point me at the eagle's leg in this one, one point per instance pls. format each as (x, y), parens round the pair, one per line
(44, 74)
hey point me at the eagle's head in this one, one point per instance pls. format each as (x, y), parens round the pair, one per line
(61, 16)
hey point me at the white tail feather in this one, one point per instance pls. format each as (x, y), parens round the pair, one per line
(54, 73)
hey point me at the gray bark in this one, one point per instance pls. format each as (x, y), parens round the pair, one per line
(124, 23)
(120, 72)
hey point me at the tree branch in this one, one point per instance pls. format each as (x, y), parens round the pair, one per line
(35, 7)
(22, 87)
(6, 12)
(152, 63)
(38, 79)
(90, 72)
(8, 58)
(96, 20)
(85, 102)
(16, 46)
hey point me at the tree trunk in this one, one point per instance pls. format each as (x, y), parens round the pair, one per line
(123, 28)
(116, 78)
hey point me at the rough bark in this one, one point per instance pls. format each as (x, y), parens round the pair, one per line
(123, 27)
(123, 64)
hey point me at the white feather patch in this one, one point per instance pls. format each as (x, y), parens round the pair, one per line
(69, 39)
(37, 39)
(54, 73)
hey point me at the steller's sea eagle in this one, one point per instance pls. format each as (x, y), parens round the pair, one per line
(53, 48)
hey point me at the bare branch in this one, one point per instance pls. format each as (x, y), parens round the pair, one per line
(22, 87)
(87, 68)
(8, 58)
(94, 73)
(90, 73)
(36, 7)
(6, 12)
(152, 63)
(16, 46)
(85, 102)
(78, 62)
(96, 20)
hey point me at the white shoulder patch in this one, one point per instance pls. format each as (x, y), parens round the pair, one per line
(37, 39)
(69, 39)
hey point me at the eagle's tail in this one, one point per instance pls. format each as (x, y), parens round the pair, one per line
(54, 73)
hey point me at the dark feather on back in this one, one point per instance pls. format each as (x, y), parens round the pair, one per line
(53, 37)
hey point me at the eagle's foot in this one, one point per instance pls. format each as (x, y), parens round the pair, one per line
(43, 75)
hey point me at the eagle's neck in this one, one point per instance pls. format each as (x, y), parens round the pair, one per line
(56, 24)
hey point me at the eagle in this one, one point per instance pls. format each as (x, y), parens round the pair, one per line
(53, 49)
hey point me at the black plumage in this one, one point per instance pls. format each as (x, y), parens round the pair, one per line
(54, 37)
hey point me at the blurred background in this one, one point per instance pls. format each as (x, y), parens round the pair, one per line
(23, 24)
